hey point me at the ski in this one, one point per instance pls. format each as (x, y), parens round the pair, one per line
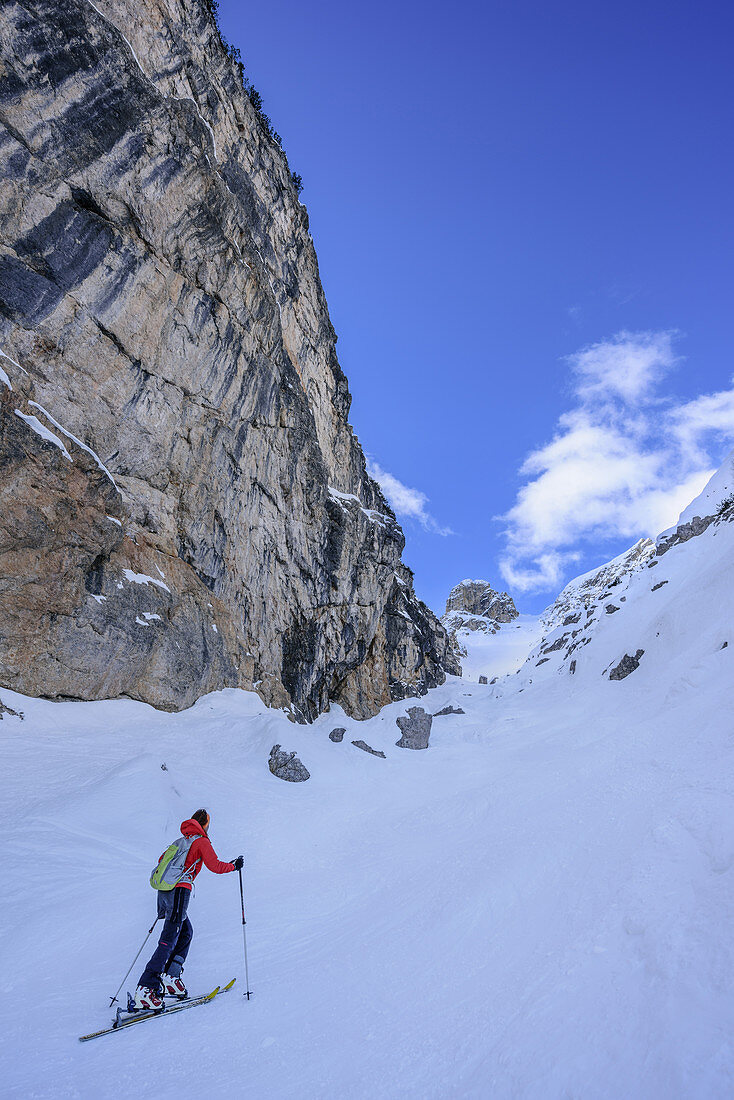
(124, 1019)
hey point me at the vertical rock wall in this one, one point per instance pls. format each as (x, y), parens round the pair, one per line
(184, 504)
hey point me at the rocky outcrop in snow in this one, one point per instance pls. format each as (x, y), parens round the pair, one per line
(368, 749)
(627, 665)
(415, 730)
(715, 502)
(572, 620)
(476, 605)
(19, 713)
(287, 766)
(592, 588)
(184, 505)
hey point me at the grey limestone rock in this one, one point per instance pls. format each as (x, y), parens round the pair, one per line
(626, 666)
(181, 486)
(367, 748)
(337, 734)
(611, 608)
(658, 585)
(476, 606)
(19, 713)
(684, 532)
(287, 766)
(482, 679)
(584, 595)
(415, 729)
(480, 598)
(449, 710)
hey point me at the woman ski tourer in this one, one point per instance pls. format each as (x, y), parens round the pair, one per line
(173, 878)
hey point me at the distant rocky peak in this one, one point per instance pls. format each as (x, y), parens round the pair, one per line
(476, 605)
(480, 598)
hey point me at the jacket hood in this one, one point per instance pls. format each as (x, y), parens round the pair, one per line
(192, 828)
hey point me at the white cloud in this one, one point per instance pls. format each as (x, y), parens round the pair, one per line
(693, 422)
(545, 571)
(623, 462)
(627, 366)
(407, 503)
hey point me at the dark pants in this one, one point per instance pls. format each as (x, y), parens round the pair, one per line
(173, 946)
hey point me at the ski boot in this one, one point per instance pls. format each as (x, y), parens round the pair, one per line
(148, 1000)
(173, 987)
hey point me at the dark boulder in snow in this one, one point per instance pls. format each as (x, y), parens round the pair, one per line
(367, 748)
(482, 679)
(448, 710)
(415, 729)
(19, 713)
(337, 734)
(286, 765)
(626, 665)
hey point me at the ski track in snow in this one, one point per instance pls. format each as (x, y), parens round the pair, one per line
(540, 905)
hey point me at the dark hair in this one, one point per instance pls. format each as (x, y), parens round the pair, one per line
(202, 817)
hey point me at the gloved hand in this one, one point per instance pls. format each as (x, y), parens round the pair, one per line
(238, 863)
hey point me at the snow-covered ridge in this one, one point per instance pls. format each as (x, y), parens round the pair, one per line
(588, 588)
(717, 490)
(592, 615)
(609, 620)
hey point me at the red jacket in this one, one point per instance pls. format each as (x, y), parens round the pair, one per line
(201, 851)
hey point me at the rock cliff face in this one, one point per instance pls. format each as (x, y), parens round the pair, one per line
(476, 605)
(184, 504)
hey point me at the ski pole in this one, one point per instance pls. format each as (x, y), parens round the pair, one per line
(244, 937)
(132, 964)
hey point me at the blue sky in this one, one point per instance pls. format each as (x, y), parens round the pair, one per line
(523, 217)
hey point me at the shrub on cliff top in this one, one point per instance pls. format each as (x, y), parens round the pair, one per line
(211, 7)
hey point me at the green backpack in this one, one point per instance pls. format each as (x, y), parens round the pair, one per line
(169, 870)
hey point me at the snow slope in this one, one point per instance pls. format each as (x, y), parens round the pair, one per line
(720, 487)
(502, 653)
(540, 905)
